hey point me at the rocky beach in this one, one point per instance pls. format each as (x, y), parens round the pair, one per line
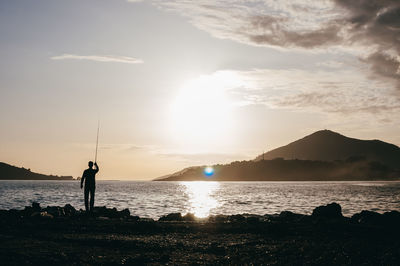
(66, 236)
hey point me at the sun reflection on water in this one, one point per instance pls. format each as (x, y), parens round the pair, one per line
(201, 199)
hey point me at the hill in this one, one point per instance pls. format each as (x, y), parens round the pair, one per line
(326, 145)
(322, 156)
(9, 172)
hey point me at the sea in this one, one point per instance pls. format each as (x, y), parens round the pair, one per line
(154, 199)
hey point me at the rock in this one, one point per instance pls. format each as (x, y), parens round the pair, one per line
(253, 219)
(35, 214)
(46, 215)
(105, 212)
(113, 212)
(36, 207)
(219, 218)
(125, 213)
(147, 220)
(392, 218)
(367, 217)
(189, 217)
(14, 213)
(55, 211)
(27, 212)
(134, 218)
(69, 210)
(100, 211)
(172, 217)
(110, 212)
(288, 216)
(330, 211)
(238, 218)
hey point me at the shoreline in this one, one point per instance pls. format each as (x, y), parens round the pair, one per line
(65, 236)
(219, 181)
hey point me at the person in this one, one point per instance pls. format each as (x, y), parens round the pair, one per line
(89, 176)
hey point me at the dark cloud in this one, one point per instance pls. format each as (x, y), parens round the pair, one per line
(373, 24)
(377, 22)
(339, 102)
(367, 22)
(384, 65)
(368, 28)
(276, 34)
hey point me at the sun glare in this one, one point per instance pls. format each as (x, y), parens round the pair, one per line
(202, 111)
(201, 197)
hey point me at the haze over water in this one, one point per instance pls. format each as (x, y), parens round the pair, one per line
(154, 199)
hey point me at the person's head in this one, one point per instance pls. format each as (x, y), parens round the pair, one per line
(90, 163)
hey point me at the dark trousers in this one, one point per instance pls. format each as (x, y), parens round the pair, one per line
(91, 190)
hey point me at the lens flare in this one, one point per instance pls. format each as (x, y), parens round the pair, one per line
(209, 171)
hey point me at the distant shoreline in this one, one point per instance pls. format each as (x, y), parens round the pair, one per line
(38, 179)
(221, 181)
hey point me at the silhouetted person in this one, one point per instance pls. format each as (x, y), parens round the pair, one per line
(89, 176)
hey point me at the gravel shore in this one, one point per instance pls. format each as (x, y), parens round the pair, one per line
(65, 236)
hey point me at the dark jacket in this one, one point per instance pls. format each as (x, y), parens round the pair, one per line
(89, 177)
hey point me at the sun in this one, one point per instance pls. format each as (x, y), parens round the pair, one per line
(202, 111)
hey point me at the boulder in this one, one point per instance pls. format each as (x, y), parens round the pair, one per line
(288, 216)
(219, 218)
(253, 219)
(392, 218)
(367, 217)
(36, 207)
(172, 217)
(237, 218)
(189, 217)
(27, 212)
(35, 214)
(55, 211)
(46, 215)
(69, 210)
(14, 213)
(330, 211)
(110, 213)
(100, 211)
(125, 213)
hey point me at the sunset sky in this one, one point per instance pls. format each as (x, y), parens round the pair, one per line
(181, 83)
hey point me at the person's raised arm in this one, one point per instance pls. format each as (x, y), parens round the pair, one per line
(97, 167)
(83, 178)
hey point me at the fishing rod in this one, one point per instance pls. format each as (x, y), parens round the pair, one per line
(97, 140)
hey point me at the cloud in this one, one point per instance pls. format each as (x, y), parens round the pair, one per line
(384, 66)
(369, 29)
(99, 58)
(331, 64)
(294, 23)
(352, 96)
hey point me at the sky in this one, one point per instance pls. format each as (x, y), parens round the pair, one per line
(178, 83)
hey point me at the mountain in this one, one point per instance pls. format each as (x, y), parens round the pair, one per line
(326, 145)
(9, 172)
(324, 155)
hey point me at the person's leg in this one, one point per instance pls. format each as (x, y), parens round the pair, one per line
(92, 190)
(86, 198)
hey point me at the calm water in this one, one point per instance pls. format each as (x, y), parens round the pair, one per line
(153, 199)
